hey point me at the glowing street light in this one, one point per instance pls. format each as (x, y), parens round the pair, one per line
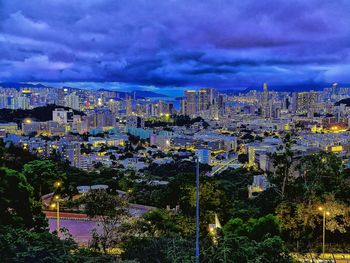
(57, 199)
(27, 120)
(325, 213)
(57, 184)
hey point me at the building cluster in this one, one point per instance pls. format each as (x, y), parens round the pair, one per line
(103, 127)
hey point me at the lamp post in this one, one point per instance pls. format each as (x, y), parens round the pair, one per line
(57, 199)
(197, 209)
(324, 226)
(57, 206)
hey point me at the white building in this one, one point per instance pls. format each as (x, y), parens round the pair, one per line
(204, 156)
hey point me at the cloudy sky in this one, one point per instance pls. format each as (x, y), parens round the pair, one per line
(217, 43)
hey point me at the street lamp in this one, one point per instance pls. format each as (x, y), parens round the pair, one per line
(57, 184)
(323, 210)
(56, 205)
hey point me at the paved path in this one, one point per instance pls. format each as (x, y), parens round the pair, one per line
(80, 226)
(222, 167)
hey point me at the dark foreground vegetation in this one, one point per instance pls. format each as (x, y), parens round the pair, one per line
(282, 219)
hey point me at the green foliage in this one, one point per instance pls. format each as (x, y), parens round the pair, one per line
(320, 174)
(111, 211)
(38, 113)
(161, 222)
(99, 203)
(159, 250)
(255, 229)
(243, 158)
(283, 175)
(17, 205)
(304, 219)
(241, 249)
(19, 245)
(14, 157)
(42, 174)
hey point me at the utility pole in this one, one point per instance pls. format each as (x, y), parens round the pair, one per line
(325, 213)
(197, 210)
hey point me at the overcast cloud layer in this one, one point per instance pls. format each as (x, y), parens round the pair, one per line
(223, 44)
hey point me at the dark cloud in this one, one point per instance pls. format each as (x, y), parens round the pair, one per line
(221, 43)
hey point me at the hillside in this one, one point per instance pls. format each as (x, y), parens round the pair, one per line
(343, 101)
(36, 114)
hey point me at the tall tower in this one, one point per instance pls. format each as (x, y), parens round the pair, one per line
(128, 105)
(265, 104)
(191, 103)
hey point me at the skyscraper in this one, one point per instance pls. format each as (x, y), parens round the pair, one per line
(128, 105)
(265, 103)
(72, 101)
(304, 102)
(190, 102)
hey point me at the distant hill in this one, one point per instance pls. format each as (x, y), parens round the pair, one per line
(139, 94)
(16, 85)
(284, 88)
(343, 101)
(36, 114)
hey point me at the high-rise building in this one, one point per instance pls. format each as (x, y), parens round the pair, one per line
(128, 105)
(190, 102)
(22, 102)
(204, 156)
(204, 99)
(102, 118)
(265, 103)
(304, 102)
(61, 92)
(71, 151)
(62, 116)
(135, 122)
(72, 101)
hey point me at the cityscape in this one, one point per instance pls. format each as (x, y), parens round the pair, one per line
(138, 138)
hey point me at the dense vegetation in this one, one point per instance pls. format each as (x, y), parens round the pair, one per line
(37, 114)
(280, 220)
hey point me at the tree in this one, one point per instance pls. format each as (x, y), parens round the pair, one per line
(320, 174)
(243, 158)
(282, 163)
(17, 205)
(159, 250)
(212, 199)
(255, 240)
(255, 228)
(111, 211)
(301, 220)
(20, 245)
(42, 174)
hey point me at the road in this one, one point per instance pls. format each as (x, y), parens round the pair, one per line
(220, 168)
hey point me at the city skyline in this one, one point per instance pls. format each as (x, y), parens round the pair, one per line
(224, 45)
(174, 131)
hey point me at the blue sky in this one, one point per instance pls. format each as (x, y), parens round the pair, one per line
(176, 43)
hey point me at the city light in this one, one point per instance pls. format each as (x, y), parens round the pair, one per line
(175, 131)
(57, 184)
